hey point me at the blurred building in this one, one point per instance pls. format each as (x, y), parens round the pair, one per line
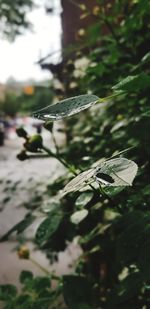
(75, 19)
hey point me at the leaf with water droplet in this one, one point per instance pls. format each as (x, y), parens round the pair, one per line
(79, 182)
(119, 172)
(48, 227)
(133, 83)
(66, 108)
(79, 216)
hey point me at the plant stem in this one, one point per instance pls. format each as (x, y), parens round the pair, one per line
(39, 266)
(57, 156)
(43, 269)
(55, 143)
(101, 100)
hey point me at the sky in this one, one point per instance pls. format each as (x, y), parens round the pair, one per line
(18, 59)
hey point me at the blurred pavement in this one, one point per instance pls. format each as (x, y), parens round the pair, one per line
(19, 182)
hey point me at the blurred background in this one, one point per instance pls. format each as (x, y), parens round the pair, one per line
(37, 53)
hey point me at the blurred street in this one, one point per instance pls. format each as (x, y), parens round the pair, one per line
(20, 183)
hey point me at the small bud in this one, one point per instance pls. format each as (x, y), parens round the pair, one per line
(21, 132)
(22, 156)
(24, 253)
(34, 143)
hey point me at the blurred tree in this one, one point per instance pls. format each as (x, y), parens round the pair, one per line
(13, 17)
(10, 105)
(34, 98)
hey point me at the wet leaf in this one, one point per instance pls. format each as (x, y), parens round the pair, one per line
(119, 172)
(79, 216)
(116, 172)
(48, 227)
(133, 83)
(65, 108)
(79, 181)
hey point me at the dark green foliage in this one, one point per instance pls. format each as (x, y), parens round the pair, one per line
(36, 292)
(25, 276)
(6, 291)
(133, 83)
(48, 227)
(77, 292)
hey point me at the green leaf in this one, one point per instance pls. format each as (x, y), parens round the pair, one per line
(112, 191)
(144, 256)
(48, 227)
(41, 284)
(24, 301)
(66, 108)
(25, 276)
(19, 227)
(133, 83)
(7, 291)
(77, 291)
(79, 216)
(132, 245)
(146, 58)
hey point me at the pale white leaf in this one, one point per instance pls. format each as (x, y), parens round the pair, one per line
(79, 182)
(78, 216)
(116, 172)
